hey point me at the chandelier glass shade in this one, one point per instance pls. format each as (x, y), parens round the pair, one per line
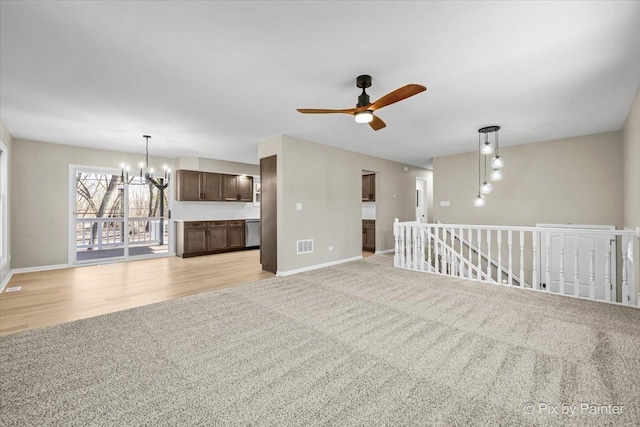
(496, 175)
(486, 188)
(497, 162)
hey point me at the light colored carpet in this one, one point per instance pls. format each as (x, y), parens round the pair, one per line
(356, 344)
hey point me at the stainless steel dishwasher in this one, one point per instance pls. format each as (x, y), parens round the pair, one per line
(252, 233)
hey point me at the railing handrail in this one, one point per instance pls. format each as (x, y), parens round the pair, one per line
(120, 219)
(601, 232)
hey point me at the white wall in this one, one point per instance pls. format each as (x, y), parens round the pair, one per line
(328, 183)
(40, 210)
(572, 180)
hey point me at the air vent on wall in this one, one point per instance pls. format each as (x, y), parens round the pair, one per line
(304, 246)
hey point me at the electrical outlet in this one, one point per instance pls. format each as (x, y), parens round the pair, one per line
(330, 248)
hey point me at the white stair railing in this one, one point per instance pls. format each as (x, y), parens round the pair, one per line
(486, 256)
(450, 261)
(569, 261)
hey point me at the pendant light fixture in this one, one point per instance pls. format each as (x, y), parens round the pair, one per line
(486, 148)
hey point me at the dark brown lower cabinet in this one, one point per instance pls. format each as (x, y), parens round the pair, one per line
(369, 235)
(206, 237)
(217, 239)
(235, 234)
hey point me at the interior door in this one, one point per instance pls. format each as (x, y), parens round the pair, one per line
(584, 243)
(421, 210)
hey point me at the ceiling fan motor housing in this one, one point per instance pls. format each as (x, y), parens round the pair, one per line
(363, 81)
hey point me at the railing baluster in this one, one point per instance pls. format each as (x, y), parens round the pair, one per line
(428, 229)
(499, 275)
(534, 274)
(460, 238)
(510, 244)
(469, 239)
(396, 238)
(592, 270)
(437, 249)
(489, 254)
(607, 272)
(421, 246)
(99, 228)
(479, 236)
(454, 253)
(401, 244)
(414, 233)
(521, 279)
(625, 271)
(576, 265)
(547, 240)
(562, 263)
(407, 237)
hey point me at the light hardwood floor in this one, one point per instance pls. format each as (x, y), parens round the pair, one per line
(58, 296)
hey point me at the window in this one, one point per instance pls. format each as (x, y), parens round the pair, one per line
(3, 205)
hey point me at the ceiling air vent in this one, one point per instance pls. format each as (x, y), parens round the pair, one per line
(304, 246)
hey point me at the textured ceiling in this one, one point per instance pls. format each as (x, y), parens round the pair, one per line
(212, 79)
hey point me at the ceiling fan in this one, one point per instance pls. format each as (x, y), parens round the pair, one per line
(364, 109)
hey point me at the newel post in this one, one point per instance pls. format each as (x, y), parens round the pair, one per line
(396, 238)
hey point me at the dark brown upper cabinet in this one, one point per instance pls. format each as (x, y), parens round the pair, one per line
(188, 185)
(238, 188)
(369, 188)
(211, 187)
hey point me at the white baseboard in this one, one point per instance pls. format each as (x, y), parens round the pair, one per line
(386, 251)
(6, 280)
(40, 268)
(317, 266)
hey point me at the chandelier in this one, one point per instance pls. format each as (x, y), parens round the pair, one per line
(147, 174)
(486, 148)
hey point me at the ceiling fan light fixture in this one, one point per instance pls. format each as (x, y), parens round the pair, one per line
(365, 116)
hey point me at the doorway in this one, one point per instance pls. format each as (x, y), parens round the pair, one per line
(368, 212)
(113, 217)
(421, 202)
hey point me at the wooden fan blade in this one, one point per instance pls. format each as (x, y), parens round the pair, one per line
(322, 111)
(397, 95)
(377, 123)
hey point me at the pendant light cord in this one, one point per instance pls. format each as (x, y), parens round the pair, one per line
(485, 159)
(479, 153)
(146, 158)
